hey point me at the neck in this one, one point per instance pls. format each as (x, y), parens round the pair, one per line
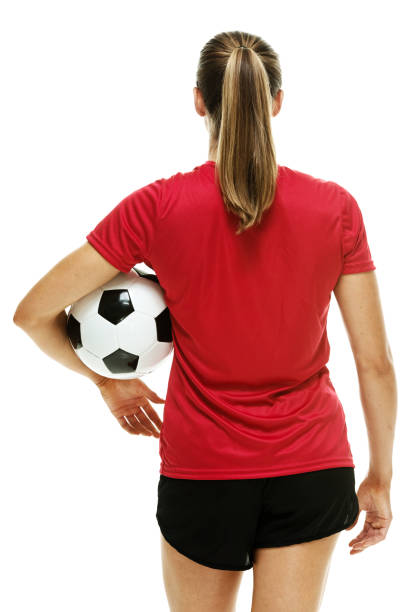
(212, 152)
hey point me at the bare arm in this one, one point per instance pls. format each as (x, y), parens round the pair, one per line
(359, 302)
(41, 313)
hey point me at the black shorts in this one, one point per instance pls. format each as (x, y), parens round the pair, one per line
(219, 523)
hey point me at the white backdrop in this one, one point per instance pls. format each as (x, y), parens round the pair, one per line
(97, 101)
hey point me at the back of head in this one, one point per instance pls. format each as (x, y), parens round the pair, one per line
(239, 75)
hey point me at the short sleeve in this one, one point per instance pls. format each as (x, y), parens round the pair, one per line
(356, 252)
(125, 236)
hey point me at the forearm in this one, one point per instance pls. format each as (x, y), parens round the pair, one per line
(378, 394)
(51, 337)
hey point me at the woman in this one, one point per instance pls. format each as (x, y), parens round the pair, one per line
(256, 468)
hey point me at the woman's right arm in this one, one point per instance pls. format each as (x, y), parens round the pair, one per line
(359, 302)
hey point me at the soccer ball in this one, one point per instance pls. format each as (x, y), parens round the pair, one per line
(123, 329)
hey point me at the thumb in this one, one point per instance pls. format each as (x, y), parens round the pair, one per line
(154, 397)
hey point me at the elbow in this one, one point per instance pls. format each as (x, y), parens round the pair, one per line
(381, 362)
(26, 319)
(20, 318)
(379, 366)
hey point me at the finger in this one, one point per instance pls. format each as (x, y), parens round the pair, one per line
(355, 551)
(125, 425)
(367, 532)
(148, 412)
(145, 422)
(358, 538)
(363, 534)
(132, 426)
(374, 539)
(359, 547)
(152, 395)
(137, 425)
(151, 412)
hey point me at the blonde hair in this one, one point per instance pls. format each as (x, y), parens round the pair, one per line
(239, 75)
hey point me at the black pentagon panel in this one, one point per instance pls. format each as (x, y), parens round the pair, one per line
(121, 362)
(73, 331)
(115, 305)
(163, 326)
(147, 275)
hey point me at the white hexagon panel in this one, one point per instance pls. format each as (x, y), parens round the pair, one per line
(99, 336)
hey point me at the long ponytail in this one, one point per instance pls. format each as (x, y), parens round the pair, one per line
(239, 75)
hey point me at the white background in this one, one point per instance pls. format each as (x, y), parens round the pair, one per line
(97, 101)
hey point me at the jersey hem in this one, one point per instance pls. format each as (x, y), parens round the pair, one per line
(234, 474)
(102, 250)
(354, 268)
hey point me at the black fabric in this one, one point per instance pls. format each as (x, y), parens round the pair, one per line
(219, 523)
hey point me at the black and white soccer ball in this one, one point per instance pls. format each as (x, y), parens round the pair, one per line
(123, 329)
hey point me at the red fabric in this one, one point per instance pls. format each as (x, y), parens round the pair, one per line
(249, 393)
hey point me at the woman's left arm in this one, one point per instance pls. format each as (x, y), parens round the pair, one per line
(41, 313)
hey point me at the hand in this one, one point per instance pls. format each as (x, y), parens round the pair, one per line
(127, 399)
(374, 498)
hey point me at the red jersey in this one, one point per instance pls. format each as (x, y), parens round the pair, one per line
(249, 393)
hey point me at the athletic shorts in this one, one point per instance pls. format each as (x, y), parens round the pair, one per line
(220, 523)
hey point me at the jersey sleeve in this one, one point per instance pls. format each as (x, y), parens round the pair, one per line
(125, 236)
(356, 252)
